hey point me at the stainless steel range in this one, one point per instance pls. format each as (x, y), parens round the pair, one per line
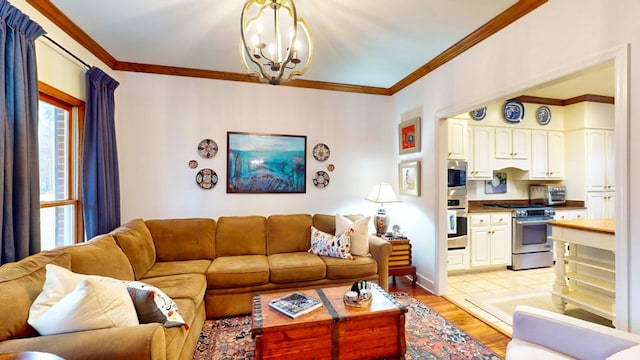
(530, 243)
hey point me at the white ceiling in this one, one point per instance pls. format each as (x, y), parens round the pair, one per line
(357, 42)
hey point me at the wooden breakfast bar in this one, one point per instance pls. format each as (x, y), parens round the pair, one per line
(585, 265)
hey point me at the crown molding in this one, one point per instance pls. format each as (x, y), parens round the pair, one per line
(560, 102)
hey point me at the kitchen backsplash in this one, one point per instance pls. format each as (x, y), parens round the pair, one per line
(515, 189)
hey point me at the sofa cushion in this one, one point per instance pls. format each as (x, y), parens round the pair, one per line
(294, 267)
(183, 239)
(324, 244)
(238, 271)
(632, 353)
(241, 235)
(92, 304)
(135, 241)
(20, 283)
(175, 337)
(153, 305)
(361, 266)
(166, 268)
(359, 234)
(288, 233)
(100, 256)
(181, 286)
(520, 349)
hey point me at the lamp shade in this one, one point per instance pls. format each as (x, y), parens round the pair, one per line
(383, 193)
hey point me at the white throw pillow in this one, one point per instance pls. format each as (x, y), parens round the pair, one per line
(59, 282)
(359, 236)
(92, 304)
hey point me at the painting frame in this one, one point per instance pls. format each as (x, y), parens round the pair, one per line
(498, 183)
(409, 136)
(409, 178)
(266, 163)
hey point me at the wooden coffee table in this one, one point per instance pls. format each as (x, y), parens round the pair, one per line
(334, 331)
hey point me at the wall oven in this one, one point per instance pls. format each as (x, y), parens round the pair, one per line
(457, 178)
(457, 229)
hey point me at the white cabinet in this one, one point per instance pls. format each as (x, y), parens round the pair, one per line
(490, 239)
(601, 204)
(458, 259)
(600, 173)
(547, 155)
(458, 139)
(570, 215)
(512, 143)
(481, 153)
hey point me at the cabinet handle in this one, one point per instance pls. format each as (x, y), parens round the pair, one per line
(450, 154)
(481, 220)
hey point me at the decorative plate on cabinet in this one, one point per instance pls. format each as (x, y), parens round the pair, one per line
(478, 114)
(207, 148)
(513, 111)
(321, 179)
(206, 178)
(543, 115)
(321, 152)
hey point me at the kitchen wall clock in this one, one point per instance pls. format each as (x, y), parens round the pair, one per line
(207, 148)
(543, 115)
(513, 111)
(478, 114)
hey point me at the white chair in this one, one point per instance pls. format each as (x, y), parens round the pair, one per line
(541, 334)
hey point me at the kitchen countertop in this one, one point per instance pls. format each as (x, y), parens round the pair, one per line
(605, 226)
(477, 206)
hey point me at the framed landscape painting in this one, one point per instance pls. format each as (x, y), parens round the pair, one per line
(409, 136)
(266, 163)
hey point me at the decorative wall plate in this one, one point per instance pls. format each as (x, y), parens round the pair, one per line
(513, 111)
(193, 164)
(207, 148)
(478, 114)
(321, 152)
(321, 179)
(331, 167)
(543, 115)
(207, 178)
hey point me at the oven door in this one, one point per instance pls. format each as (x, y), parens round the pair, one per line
(531, 235)
(457, 234)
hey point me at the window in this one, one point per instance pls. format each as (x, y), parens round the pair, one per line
(59, 128)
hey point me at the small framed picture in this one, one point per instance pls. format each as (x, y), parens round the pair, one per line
(409, 178)
(497, 185)
(409, 136)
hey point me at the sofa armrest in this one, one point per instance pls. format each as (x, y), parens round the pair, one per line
(136, 342)
(381, 249)
(570, 336)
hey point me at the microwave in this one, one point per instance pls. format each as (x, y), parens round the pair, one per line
(457, 177)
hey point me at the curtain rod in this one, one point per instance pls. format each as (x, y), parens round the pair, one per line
(67, 51)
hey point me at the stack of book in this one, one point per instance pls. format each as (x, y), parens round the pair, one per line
(401, 254)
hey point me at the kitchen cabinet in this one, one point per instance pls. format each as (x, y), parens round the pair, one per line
(481, 153)
(585, 274)
(570, 215)
(601, 204)
(490, 239)
(458, 259)
(600, 160)
(458, 139)
(512, 144)
(547, 155)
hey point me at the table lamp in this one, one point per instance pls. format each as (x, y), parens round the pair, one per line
(382, 193)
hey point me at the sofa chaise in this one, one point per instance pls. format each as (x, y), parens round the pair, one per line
(209, 268)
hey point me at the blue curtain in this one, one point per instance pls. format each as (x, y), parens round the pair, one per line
(101, 179)
(19, 169)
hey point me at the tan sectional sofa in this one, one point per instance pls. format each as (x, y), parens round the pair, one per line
(209, 268)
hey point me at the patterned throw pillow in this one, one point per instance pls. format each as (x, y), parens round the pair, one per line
(153, 305)
(338, 246)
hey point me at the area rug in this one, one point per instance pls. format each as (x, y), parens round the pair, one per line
(428, 334)
(503, 306)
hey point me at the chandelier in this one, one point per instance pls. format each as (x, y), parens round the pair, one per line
(275, 40)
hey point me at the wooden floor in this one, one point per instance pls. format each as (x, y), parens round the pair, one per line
(487, 335)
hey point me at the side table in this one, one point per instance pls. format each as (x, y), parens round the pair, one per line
(400, 260)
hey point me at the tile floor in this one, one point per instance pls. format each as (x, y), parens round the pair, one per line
(478, 284)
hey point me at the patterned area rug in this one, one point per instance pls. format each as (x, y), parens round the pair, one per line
(428, 334)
